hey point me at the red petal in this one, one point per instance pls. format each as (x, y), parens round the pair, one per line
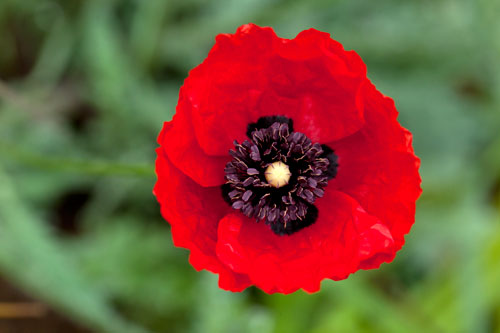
(333, 247)
(225, 88)
(254, 73)
(192, 211)
(378, 168)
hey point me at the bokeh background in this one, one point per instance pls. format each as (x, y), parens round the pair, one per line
(84, 89)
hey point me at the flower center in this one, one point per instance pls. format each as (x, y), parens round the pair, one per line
(277, 174)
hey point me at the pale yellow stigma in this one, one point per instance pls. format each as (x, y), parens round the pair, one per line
(277, 174)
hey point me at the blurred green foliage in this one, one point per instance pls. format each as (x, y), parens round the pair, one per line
(85, 87)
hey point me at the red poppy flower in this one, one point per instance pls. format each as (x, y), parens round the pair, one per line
(284, 165)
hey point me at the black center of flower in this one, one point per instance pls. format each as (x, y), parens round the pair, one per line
(278, 174)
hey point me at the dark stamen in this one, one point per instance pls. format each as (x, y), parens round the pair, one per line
(286, 206)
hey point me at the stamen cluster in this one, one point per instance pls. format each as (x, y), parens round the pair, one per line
(287, 208)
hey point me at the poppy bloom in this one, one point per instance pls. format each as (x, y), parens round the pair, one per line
(284, 165)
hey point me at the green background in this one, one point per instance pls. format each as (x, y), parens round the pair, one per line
(85, 87)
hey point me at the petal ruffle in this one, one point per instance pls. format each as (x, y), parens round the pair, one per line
(179, 143)
(324, 80)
